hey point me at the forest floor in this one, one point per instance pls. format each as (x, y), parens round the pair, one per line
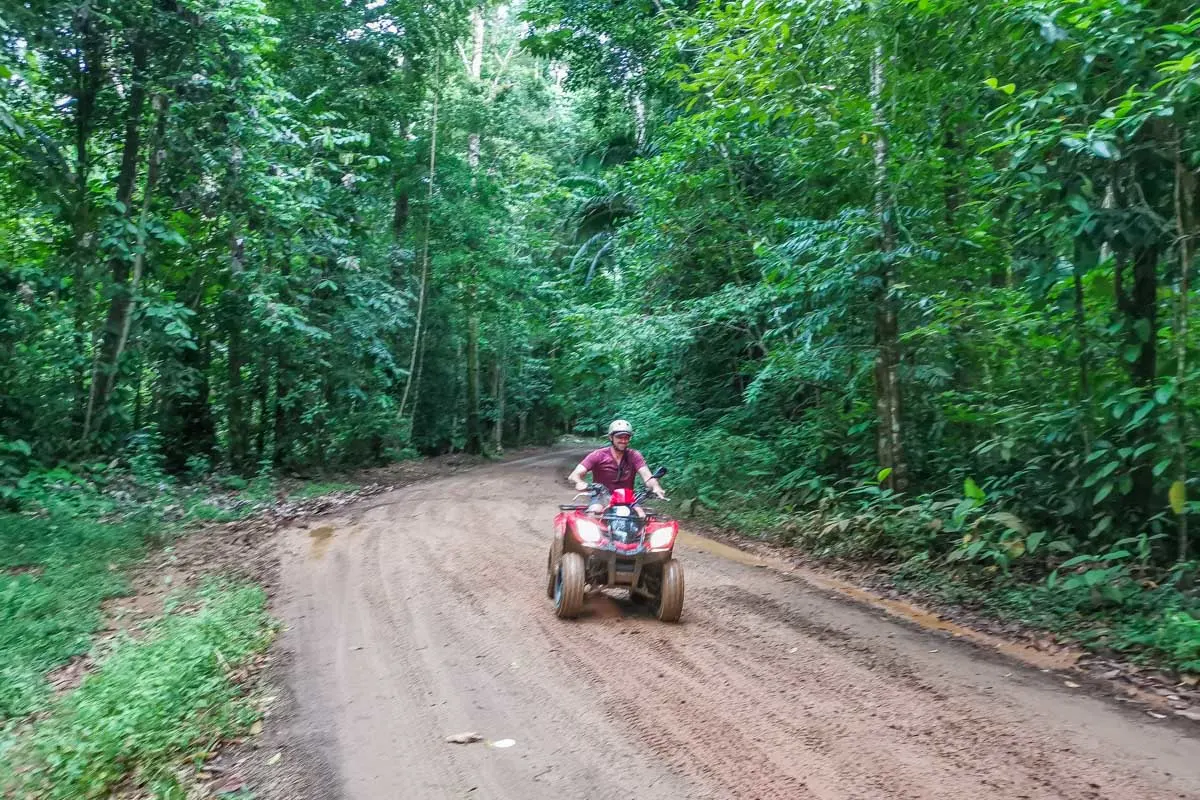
(419, 613)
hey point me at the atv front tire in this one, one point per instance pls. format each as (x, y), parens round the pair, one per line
(569, 585)
(670, 596)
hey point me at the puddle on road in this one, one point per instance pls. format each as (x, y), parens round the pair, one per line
(724, 551)
(897, 608)
(321, 537)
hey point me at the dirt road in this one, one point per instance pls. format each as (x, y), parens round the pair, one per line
(421, 614)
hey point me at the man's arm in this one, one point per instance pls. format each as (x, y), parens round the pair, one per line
(576, 477)
(651, 481)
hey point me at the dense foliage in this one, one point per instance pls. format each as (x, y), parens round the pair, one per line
(908, 247)
(905, 278)
(215, 220)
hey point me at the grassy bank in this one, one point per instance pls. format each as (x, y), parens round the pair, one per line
(149, 703)
(54, 574)
(68, 543)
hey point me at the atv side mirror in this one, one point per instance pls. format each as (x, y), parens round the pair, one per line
(658, 473)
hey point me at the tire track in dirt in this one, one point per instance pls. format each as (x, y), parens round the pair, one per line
(425, 615)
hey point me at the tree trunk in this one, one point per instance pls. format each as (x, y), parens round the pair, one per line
(120, 309)
(474, 443)
(889, 444)
(1085, 380)
(418, 343)
(498, 394)
(281, 414)
(638, 105)
(475, 73)
(185, 412)
(263, 389)
(235, 419)
(1144, 312)
(1185, 197)
(137, 397)
(399, 207)
(89, 78)
(1140, 306)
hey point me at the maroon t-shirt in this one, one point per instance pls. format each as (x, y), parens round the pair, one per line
(608, 473)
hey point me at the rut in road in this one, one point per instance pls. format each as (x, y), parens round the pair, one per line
(422, 614)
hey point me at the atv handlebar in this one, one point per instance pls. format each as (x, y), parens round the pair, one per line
(594, 490)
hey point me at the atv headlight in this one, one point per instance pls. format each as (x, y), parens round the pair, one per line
(662, 538)
(589, 532)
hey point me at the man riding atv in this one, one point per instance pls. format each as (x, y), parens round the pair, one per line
(613, 467)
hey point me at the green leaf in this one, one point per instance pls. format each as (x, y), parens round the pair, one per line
(17, 446)
(1035, 539)
(1104, 492)
(1177, 495)
(1008, 88)
(1010, 521)
(971, 489)
(884, 474)
(992, 83)
(1103, 472)
(1142, 412)
(1105, 149)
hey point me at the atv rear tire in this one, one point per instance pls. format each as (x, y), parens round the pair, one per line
(551, 575)
(670, 596)
(568, 589)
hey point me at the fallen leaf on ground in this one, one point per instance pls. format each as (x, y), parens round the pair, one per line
(233, 783)
(464, 738)
(1071, 684)
(256, 728)
(273, 760)
(504, 743)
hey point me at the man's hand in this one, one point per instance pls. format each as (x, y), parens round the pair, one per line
(659, 493)
(581, 486)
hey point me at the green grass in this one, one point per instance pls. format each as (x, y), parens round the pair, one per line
(54, 574)
(61, 560)
(149, 704)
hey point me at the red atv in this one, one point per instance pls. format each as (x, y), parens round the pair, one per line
(617, 547)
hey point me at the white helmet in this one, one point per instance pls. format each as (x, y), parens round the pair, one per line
(620, 426)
